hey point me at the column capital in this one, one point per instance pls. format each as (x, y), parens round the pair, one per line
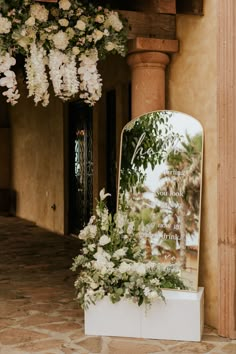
(141, 44)
(147, 59)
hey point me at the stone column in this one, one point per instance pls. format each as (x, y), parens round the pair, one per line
(148, 60)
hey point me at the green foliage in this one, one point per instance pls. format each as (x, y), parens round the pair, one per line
(145, 142)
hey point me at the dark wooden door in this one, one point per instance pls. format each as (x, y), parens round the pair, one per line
(80, 166)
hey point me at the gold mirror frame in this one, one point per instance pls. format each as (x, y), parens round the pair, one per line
(160, 182)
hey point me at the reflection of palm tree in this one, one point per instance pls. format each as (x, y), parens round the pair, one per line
(183, 180)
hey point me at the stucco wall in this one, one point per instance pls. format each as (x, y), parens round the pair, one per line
(38, 161)
(192, 89)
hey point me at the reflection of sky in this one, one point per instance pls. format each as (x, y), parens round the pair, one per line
(182, 124)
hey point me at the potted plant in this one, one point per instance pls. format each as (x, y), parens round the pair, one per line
(116, 285)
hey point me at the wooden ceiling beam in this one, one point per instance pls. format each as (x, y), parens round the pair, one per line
(192, 7)
(153, 6)
(150, 25)
(189, 7)
(46, 0)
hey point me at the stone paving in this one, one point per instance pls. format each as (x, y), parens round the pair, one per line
(38, 313)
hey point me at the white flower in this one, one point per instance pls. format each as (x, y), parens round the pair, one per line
(104, 220)
(97, 35)
(114, 21)
(6, 61)
(63, 22)
(155, 281)
(64, 4)
(39, 12)
(102, 263)
(5, 25)
(110, 46)
(70, 33)
(153, 295)
(30, 21)
(103, 195)
(94, 285)
(146, 291)
(104, 240)
(99, 18)
(120, 220)
(124, 267)
(75, 50)
(89, 231)
(51, 28)
(139, 268)
(130, 228)
(103, 266)
(102, 255)
(121, 252)
(9, 81)
(151, 265)
(91, 247)
(80, 25)
(60, 40)
(92, 219)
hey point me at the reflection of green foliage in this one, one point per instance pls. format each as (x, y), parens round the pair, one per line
(183, 175)
(145, 142)
(146, 215)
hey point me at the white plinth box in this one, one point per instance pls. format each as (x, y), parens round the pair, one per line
(181, 317)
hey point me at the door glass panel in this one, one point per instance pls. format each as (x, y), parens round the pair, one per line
(81, 166)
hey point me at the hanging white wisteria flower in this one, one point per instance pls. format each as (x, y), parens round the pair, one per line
(90, 79)
(37, 82)
(69, 37)
(63, 74)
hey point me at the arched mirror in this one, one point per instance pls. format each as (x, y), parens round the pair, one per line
(160, 182)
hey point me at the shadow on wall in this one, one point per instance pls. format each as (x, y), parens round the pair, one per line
(7, 202)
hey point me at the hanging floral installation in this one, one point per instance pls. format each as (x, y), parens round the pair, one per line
(62, 42)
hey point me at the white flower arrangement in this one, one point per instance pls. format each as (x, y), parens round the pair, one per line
(112, 262)
(68, 37)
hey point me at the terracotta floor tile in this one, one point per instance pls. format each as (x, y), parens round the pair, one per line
(15, 336)
(128, 347)
(40, 346)
(192, 348)
(92, 344)
(229, 348)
